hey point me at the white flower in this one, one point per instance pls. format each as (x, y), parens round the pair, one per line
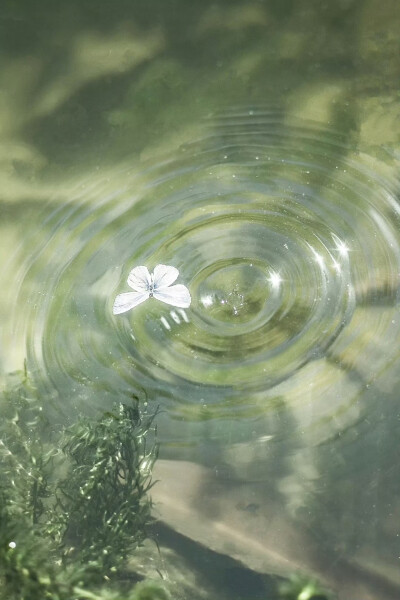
(156, 284)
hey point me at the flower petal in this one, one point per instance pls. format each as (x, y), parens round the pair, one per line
(124, 302)
(139, 279)
(164, 275)
(177, 295)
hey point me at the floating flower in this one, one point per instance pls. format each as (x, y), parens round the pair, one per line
(157, 284)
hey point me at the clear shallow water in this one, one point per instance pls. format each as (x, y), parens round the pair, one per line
(284, 369)
(283, 223)
(290, 248)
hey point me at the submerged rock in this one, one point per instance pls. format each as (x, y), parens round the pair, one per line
(248, 523)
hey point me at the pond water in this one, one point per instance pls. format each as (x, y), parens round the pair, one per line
(255, 146)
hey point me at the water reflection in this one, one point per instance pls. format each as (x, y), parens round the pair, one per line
(280, 238)
(175, 316)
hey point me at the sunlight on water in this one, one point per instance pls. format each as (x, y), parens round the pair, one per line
(289, 245)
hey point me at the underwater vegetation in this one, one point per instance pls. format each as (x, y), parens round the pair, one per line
(73, 500)
(74, 503)
(300, 587)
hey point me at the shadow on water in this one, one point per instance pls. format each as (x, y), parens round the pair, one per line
(105, 81)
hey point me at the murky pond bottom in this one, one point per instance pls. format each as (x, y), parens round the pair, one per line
(284, 370)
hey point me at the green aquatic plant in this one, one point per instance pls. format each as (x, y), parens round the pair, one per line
(102, 502)
(149, 591)
(73, 501)
(301, 587)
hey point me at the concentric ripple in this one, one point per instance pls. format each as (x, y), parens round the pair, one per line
(290, 247)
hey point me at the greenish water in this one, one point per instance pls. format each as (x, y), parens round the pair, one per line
(255, 146)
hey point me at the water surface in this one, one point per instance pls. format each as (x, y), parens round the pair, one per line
(255, 147)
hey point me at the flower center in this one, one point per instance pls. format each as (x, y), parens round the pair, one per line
(151, 286)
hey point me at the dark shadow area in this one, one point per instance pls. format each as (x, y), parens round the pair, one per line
(216, 571)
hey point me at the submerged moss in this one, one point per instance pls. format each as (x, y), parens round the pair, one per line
(73, 501)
